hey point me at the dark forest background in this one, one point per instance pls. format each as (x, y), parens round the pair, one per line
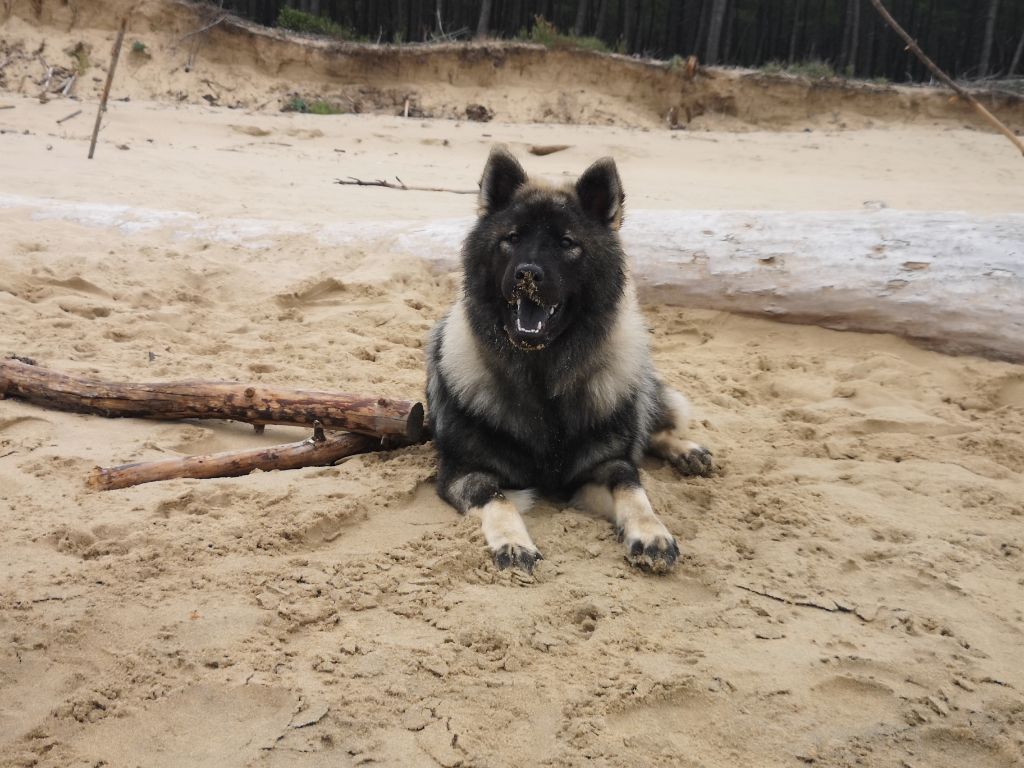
(967, 38)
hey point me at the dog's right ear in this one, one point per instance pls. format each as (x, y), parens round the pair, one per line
(503, 175)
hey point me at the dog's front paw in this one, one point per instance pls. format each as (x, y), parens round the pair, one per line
(650, 547)
(516, 556)
(692, 459)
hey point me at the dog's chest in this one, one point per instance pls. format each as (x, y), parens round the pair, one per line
(558, 438)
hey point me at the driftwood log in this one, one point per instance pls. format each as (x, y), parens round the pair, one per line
(319, 450)
(953, 281)
(252, 403)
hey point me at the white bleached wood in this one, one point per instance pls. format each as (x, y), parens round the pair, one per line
(952, 280)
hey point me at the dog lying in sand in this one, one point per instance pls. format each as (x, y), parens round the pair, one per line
(539, 378)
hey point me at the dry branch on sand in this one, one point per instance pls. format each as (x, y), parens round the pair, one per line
(254, 404)
(352, 181)
(115, 54)
(319, 450)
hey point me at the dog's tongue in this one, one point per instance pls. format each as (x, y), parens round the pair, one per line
(530, 317)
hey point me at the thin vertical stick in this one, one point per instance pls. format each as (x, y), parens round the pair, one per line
(106, 88)
(943, 77)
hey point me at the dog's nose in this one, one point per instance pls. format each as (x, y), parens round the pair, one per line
(529, 273)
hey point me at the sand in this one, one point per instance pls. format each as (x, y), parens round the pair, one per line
(850, 591)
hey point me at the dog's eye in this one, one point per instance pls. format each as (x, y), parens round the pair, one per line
(567, 243)
(512, 238)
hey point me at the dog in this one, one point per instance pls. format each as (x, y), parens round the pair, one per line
(539, 378)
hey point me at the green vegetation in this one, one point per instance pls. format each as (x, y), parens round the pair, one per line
(139, 48)
(812, 68)
(80, 54)
(547, 34)
(299, 21)
(318, 107)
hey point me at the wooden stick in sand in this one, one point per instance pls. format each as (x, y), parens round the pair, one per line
(115, 54)
(317, 451)
(944, 78)
(252, 403)
(352, 181)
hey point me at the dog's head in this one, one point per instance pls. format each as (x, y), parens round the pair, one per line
(543, 261)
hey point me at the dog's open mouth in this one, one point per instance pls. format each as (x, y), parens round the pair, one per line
(531, 318)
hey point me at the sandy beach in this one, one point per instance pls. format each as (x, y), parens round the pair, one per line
(850, 591)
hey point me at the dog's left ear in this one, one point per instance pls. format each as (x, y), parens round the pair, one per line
(599, 190)
(503, 175)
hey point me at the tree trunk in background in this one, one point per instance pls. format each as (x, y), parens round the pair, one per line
(700, 34)
(672, 27)
(851, 64)
(628, 24)
(730, 17)
(795, 33)
(986, 46)
(844, 49)
(601, 29)
(582, 9)
(1016, 56)
(715, 30)
(484, 25)
(645, 31)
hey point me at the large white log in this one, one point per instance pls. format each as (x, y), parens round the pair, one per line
(952, 280)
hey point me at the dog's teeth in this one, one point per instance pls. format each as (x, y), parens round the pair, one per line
(552, 310)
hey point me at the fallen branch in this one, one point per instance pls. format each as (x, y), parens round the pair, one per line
(64, 119)
(254, 404)
(114, 56)
(834, 608)
(546, 149)
(352, 181)
(317, 451)
(944, 78)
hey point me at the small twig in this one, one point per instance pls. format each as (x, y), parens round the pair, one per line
(352, 181)
(199, 31)
(944, 78)
(115, 54)
(194, 50)
(836, 608)
(69, 84)
(6, 106)
(64, 119)
(406, 110)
